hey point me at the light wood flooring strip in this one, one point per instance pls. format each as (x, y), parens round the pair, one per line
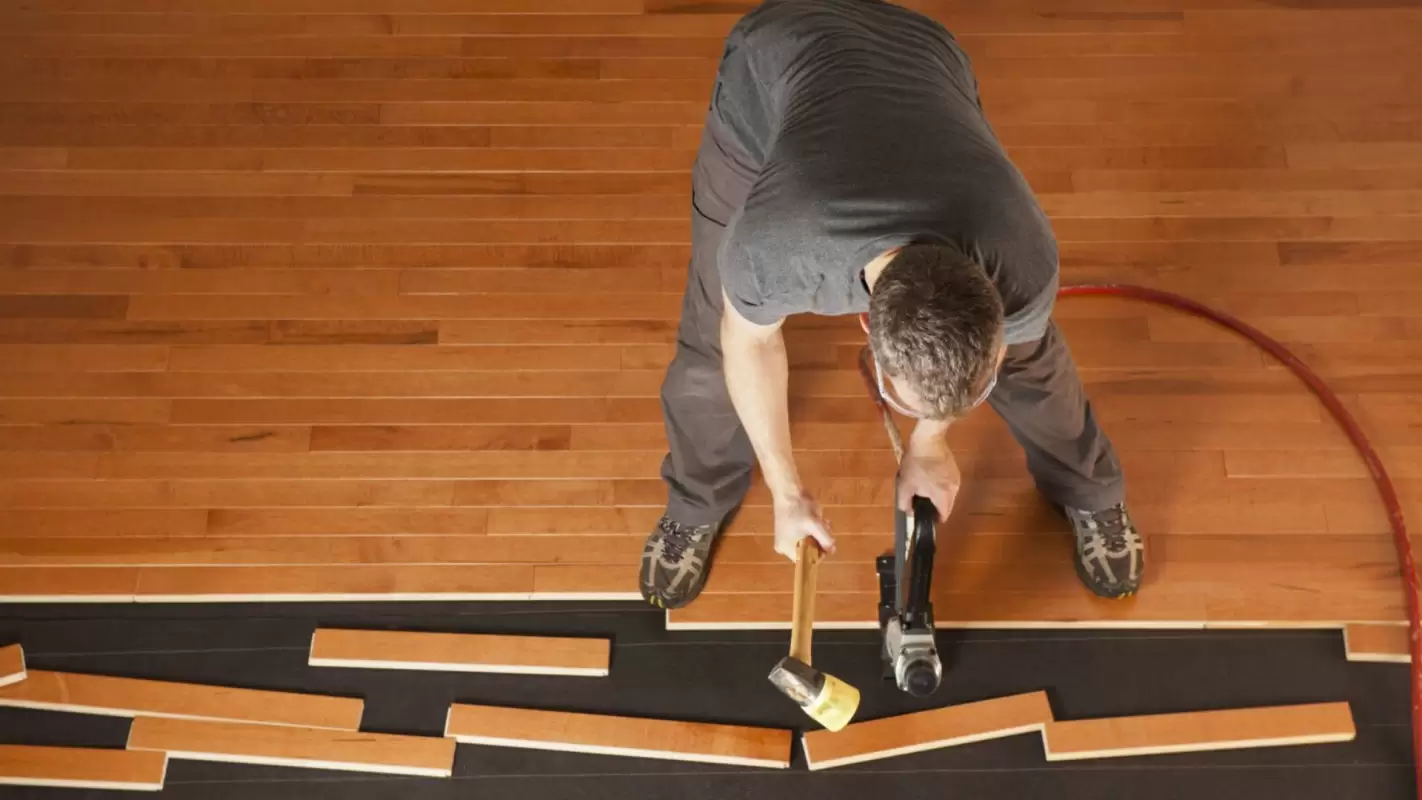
(1197, 731)
(335, 583)
(314, 748)
(619, 736)
(927, 730)
(12, 664)
(460, 652)
(130, 697)
(81, 768)
(1381, 643)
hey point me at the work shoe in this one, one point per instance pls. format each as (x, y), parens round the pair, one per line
(1110, 554)
(674, 563)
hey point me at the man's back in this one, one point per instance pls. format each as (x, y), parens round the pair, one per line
(862, 125)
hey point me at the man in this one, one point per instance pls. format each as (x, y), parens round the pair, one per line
(846, 167)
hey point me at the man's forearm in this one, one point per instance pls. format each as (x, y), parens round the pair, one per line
(757, 376)
(928, 432)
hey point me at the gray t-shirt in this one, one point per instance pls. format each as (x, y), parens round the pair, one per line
(862, 124)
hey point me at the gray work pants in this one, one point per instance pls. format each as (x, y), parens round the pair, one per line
(708, 468)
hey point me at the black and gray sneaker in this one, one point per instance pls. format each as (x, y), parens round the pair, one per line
(674, 563)
(1110, 554)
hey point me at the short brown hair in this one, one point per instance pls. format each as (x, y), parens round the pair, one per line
(935, 321)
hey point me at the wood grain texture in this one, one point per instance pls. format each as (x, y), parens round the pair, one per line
(459, 652)
(313, 748)
(619, 736)
(1386, 644)
(927, 730)
(130, 697)
(82, 768)
(1197, 731)
(12, 664)
(334, 584)
(329, 300)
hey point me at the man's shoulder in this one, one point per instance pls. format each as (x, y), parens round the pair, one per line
(793, 20)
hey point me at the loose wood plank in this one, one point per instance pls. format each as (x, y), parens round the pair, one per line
(459, 652)
(1196, 731)
(927, 730)
(619, 736)
(130, 697)
(1388, 644)
(82, 768)
(12, 664)
(313, 748)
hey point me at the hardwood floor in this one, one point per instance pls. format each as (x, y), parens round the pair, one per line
(357, 299)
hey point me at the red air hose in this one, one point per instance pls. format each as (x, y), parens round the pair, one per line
(1355, 433)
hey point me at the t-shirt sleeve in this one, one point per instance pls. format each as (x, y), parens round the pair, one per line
(1029, 322)
(738, 278)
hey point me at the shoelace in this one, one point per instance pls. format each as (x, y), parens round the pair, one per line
(676, 540)
(1112, 524)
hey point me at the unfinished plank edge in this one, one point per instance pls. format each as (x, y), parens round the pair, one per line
(462, 652)
(240, 743)
(1274, 726)
(992, 625)
(82, 768)
(765, 626)
(301, 763)
(1376, 643)
(82, 693)
(609, 750)
(1003, 733)
(444, 666)
(101, 711)
(19, 599)
(632, 752)
(994, 718)
(12, 664)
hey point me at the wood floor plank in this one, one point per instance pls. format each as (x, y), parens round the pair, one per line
(121, 494)
(83, 357)
(82, 768)
(460, 652)
(125, 522)
(1197, 731)
(619, 736)
(131, 697)
(12, 664)
(1072, 608)
(316, 551)
(312, 748)
(346, 522)
(1386, 644)
(921, 731)
(68, 585)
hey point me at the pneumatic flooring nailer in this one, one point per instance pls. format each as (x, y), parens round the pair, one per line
(905, 605)
(906, 579)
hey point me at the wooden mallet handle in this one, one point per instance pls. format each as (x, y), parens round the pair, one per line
(802, 620)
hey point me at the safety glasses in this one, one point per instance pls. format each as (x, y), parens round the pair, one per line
(892, 399)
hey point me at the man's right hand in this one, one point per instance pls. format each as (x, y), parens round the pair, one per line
(796, 517)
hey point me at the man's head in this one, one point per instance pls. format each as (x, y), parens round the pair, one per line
(936, 328)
